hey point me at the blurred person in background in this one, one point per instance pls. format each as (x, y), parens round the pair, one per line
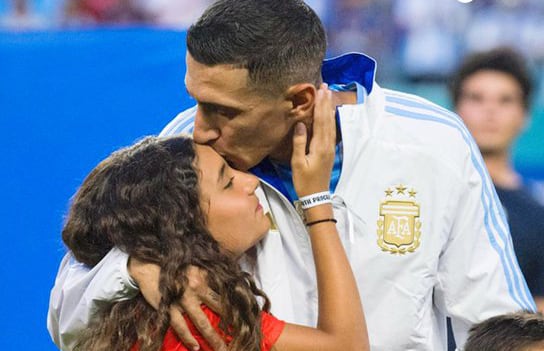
(515, 23)
(177, 14)
(88, 12)
(491, 92)
(22, 17)
(431, 28)
(356, 25)
(180, 14)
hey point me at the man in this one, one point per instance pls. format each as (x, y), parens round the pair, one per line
(521, 331)
(491, 92)
(417, 213)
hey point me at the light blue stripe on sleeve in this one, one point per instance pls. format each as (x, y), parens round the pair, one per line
(516, 284)
(183, 123)
(185, 126)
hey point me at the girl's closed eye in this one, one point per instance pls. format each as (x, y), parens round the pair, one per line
(229, 183)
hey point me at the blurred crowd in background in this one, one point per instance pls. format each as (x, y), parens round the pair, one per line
(417, 40)
(417, 43)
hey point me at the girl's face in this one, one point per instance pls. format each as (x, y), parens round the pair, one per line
(235, 217)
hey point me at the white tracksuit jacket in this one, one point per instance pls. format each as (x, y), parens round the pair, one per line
(411, 176)
(419, 218)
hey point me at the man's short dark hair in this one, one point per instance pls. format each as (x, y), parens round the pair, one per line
(509, 332)
(280, 42)
(505, 60)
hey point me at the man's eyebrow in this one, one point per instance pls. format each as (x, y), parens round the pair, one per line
(214, 105)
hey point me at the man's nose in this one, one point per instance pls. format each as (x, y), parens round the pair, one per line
(204, 131)
(490, 108)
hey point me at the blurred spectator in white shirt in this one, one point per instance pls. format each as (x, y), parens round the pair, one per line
(178, 14)
(429, 47)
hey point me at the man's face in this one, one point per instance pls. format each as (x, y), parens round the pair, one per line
(491, 106)
(243, 125)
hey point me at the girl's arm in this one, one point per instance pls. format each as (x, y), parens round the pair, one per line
(341, 323)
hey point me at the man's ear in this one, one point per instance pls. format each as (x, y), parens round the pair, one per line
(302, 98)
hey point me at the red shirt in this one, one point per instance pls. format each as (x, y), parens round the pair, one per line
(270, 326)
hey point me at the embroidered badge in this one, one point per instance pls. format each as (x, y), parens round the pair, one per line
(399, 228)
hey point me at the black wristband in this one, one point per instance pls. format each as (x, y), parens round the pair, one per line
(321, 221)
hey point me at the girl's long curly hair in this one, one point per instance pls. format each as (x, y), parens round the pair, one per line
(144, 199)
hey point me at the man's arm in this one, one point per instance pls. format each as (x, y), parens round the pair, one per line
(196, 293)
(478, 274)
(80, 291)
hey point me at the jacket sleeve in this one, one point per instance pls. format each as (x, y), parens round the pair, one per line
(478, 273)
(182, 124)
(79, 292)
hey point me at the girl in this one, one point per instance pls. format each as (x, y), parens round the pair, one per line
(179, 205)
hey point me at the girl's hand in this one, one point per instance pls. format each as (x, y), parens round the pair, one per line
(312, 170)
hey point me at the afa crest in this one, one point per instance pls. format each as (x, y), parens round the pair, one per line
(399, 228)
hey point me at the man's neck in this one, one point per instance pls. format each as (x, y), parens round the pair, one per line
(344, 98)
(501, 171)
(283, 154)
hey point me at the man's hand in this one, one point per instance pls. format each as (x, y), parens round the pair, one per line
(197, 292)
